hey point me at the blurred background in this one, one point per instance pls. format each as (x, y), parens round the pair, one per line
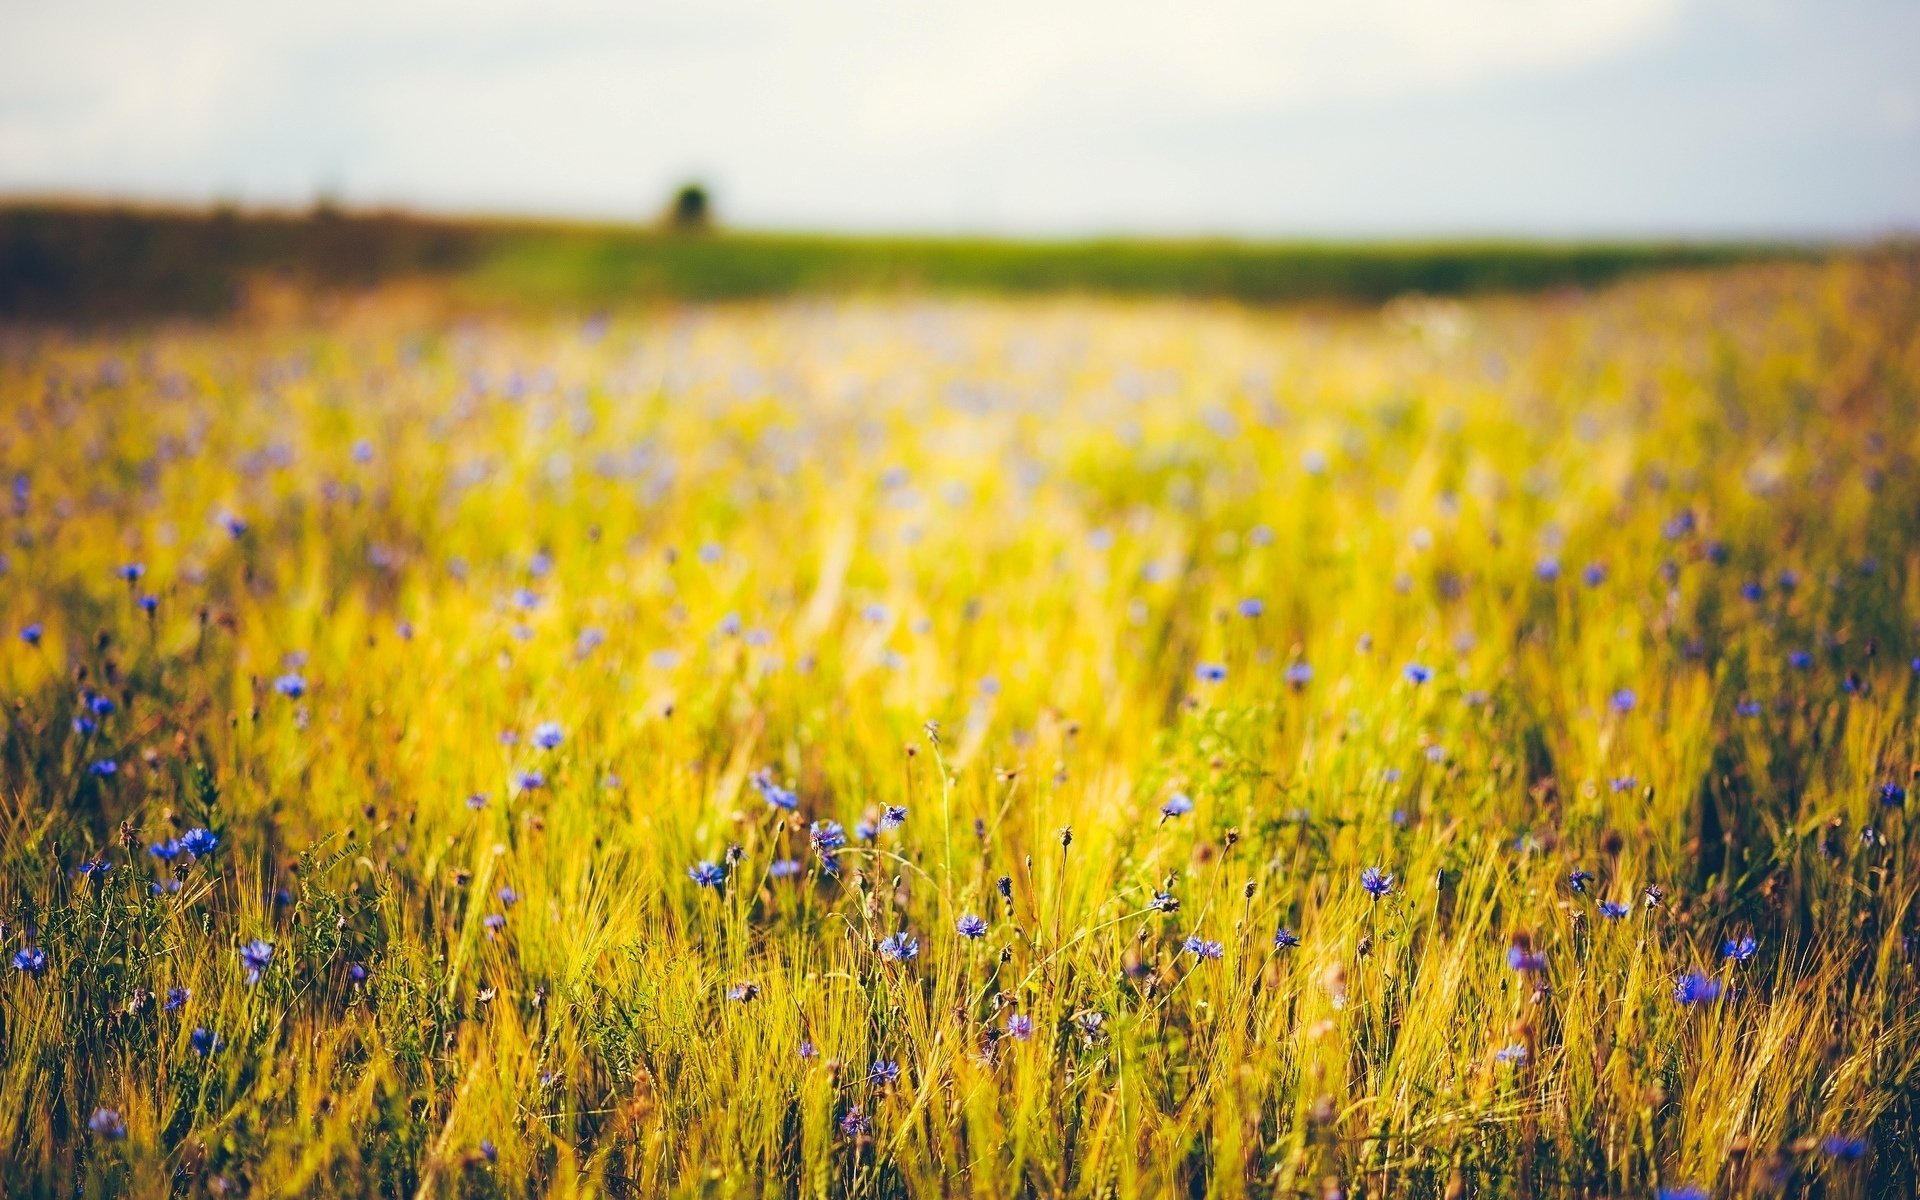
(1262, 121)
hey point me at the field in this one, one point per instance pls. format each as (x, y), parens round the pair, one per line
(934, 746)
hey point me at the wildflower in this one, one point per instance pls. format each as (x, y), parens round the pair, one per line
(865, 830)
(1747, 708)
(1696, 987)
(107, 1124)
(100, 706)
(775, 795)
(168, 850)
(1512, 1055)
(1623, 783)
(493, 923)
(1844, 1147)
(291, 686)
(744, 992)
(104, 768)
(706, 874)
(30, 959)
(1298, 675)
(899, 947)
(529, 781)
(1202, 948)
(489, 1151)
(356, 972)
(894, 817)
(204, 1042)
(1623, 700)
(1594, 574)
(547, 735)
(94, 866)
(1417, 674)
(1251, 607)
(1019, 1027)
(1210, 672)
(255, 956)
(855, 1123)
(149, 604)
(1377, 882)
(970, 926)
(176, 996)
(1286, 939)
(1092, 1024)
(1682, 1191)
(1178, 805)
(784, 868)
(1740, 949)
(883, 1072)
(132, 571)
(1612, 910)
(477, 801)
(199, 842)
(1164, 902)
(1578, 880)
(1892, 795)
(1522, 957)
(31, 634)
(1800, 660)
(1753, 590)
(1547, 569)
(827, 836)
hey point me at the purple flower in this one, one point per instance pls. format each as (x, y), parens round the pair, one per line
(784, 868)
(855, 1123)
(1892, 795)
(1844, 1147)
(1251, 607)
(204, 1042)
(548, 736)
(1623, 700)
(1210, 672)
(1696, 987)
(1594, 574)
(1019, 1027)
(291, 686)
(1740, 949)
(1612, 910)
(104, 768)
(107, 1124)
(176, 996)
(883, 1072)
(1417, 674)
(31, 634)
(1286, 938)
(1177, 805)
(1298, 674)
(1202, 948)
(706, 874)
(1578, 880)
(1526, 960)
(199, 842)
(744, 992)
(828, 836)
(971, 926)
(255, 956)
(775, 795)
(1511, 1055)
(894, 817)
(30, 959)
(1377, 882)
(899, 947)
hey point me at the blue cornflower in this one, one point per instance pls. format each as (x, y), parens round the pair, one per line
(1513, 1054)
(1682, 1191)
(236, 527)
(775, 795)
(894, 817)
(31, 634)
(828, 836)
(1892, 794)
(1210, 672)
(168, 850)
(1844, 1147)
(547, 735)
(493, 923)
(508, 896)
(706, 874)
(744, 992)
(1286, 939)
(1800, 660)
(177, 996)
(94, 866)
(149, 603)
(1612, 910)
(1622, 783)
(1251, 607)
(855, 1123)
(1789, 581)
(199, 842)
(883, 1071)
(1417, 674)
(529, 781)
(1178, 805)
(784, 868)
(1696, 987)
(30, 959)
(1202, 948)
(132, 571)
(1164, 902)
(865, 830)
(1753, 590)
(1623, 700)
(1377, 882)
(1298, 674)
(971, 926)
(1522, 957)
(107, 1124)
(356, 972)
(730, 625)
(84, 726)
(1594, 574)
(1578, 880)
(899, 947)
(1740, 949)
(105, 768)
(100, 706)
(291, 686)
(1748, 708)
(1547, 570)
(204, 1042)
(255, 956)
(1019, 1027)
(164, 887)
(489, 1151)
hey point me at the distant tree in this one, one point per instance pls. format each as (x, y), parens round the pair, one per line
(691, 210)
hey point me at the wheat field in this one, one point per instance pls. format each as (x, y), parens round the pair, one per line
(918, 746)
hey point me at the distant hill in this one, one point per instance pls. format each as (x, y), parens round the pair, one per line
(114, 262)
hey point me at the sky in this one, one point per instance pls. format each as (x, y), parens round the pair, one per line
(1238, 117)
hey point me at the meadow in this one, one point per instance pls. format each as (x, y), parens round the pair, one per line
(922, 746)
